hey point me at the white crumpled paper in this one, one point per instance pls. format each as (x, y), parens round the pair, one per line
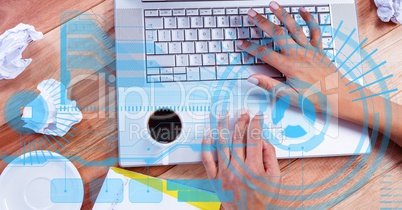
(48, 114)
(389, 10)
(12, 43)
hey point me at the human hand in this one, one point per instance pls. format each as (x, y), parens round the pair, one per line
(246, 168)
(304, 63)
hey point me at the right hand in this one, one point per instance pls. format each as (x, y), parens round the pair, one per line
(303, 62)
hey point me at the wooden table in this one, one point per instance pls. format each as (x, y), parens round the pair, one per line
(94, 139)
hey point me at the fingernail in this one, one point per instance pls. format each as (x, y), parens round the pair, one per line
(253, 80)
(274, 5)
(239, 42)
(302, 9)
(252, 13)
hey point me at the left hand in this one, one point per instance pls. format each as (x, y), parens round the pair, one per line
(241, 167)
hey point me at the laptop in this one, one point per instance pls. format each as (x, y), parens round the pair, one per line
(178, 68)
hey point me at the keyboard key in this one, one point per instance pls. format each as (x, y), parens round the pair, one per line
(299, 19)
(247, 21)
(181, 60)
(315, 16)
(161, 48)
(188, 47)
(231, 72)
(243, 11)
(160, 61)
(174, 47)
(177, 35)
(190, 34)
(153, 71)
(274, 19)
(266, 35)
(164, 35)
(243, 72)
(326, 30)
(232, 11)
(323, 9)
(170, 22)
(222, 59)
(214, 46)
(193, 73)
(325, 18)
(154, 23)
(269, 42)
(192, 12)
(209, 22)
(204, 34)
(179, 70)
(268, 10)
(151, 13)
(201, 47)
(195, 60)
(166, 70)
(306, 31)
(205, 11)
(330, 55)
(154, 78)
(310, 9)
(247, 58)
(208, 59)
(183, 22)
(180, 77)
(165, 12)
(287, 9)
(208, 73)
(237, 49)
(243, 33)
(196, 22)
(230, 33)
(227, 46)
(166, 78)
(235, 58)
(150, 48)
(326, 42)
(222, 21)
(295, 10)
(235, 21)
(256, 33)
(179, 12)
(151, 35)
(217, 34)
(218, 11)
(259, 10)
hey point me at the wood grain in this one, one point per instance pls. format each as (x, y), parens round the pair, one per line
(94, 138)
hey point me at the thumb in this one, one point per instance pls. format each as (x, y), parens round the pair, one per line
(263, 81)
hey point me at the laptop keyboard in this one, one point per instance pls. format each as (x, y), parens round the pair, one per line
(199, 44)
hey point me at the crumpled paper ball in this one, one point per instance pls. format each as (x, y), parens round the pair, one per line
(389, 10)
(12, 43)
(48, 114)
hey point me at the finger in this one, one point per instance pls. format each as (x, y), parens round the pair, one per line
(270, 161)
(223, 143)
(315, 30)
(254, 143)
(280, 36)
(208, 158)
(278, 88)
(294, 29)
(263, 81)
(240, 135)
(264, 53)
